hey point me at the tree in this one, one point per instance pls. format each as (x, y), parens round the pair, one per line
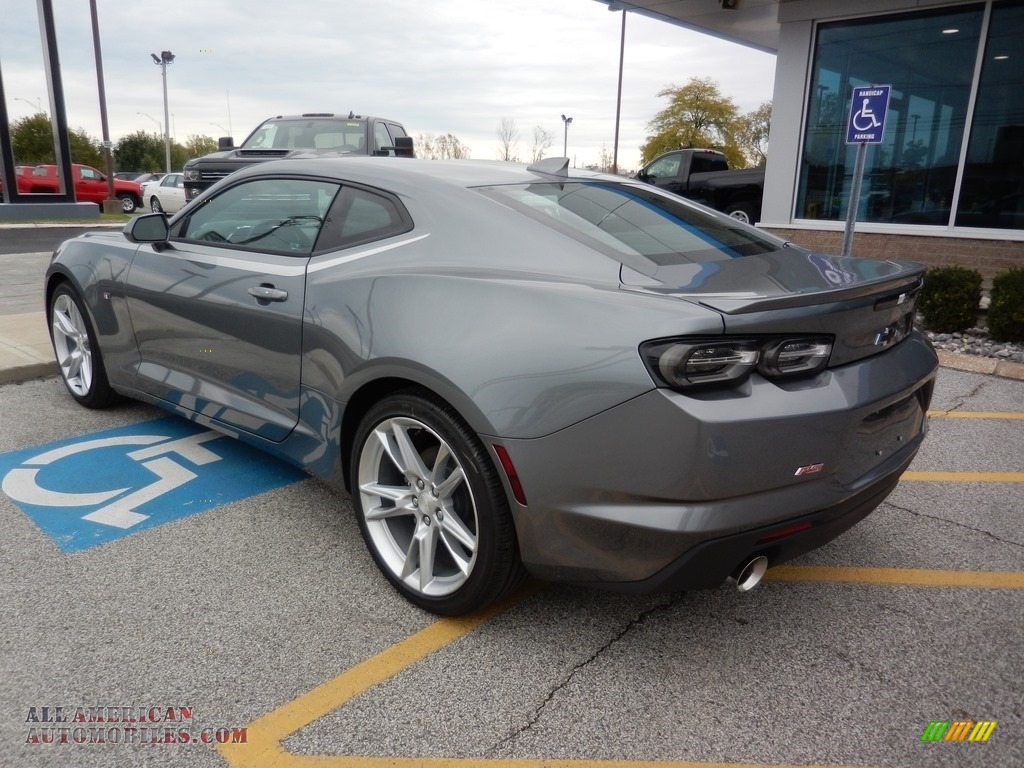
(443, 147)
(197, 146)
(32, 143)
(542, 141)
(752, 134)
(698, 115)
(508, 140)
(140, 151)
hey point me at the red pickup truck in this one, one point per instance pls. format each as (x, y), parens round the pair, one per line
(90, 186)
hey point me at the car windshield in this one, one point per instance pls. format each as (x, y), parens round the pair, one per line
(640, 227)
(310, 133)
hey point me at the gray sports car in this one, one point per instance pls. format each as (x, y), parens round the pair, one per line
(514, 369)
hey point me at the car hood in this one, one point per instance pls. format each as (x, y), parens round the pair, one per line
(788, 277)
(243, 156)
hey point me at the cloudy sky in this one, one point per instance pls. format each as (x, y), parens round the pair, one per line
(447, 66)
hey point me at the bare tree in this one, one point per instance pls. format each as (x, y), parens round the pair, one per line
(542, 141)
(508, 140)
(446, 146)
(605, 159)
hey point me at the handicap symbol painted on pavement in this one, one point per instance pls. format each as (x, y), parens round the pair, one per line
(95, 488)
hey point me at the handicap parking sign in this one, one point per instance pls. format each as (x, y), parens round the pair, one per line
(867, 114)
(95, 488)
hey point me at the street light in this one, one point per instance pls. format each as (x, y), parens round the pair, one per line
(159, 125)
(38, 105)
(618, 96)
(227, 132)
(165, 58)
(565, 145)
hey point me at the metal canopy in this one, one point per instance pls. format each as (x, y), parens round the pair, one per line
(753, 23)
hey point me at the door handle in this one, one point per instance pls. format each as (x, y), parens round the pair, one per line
(266, 293)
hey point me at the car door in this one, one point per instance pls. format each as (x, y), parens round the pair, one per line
(664, 172)
(90, 185)
(217, 311)
(172, 192)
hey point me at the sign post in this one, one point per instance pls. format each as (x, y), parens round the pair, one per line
(865, 126)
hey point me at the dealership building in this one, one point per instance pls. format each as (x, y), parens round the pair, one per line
(946, 183)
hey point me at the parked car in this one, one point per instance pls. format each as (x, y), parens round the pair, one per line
(514, 369)
(145, 178)
(90, 186)
(29, 182)
(127, 175)
(313, 134)
(166, 194)
(704, 175)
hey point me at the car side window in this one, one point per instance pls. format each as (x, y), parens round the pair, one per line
(381, 138)
(88, 174)
(665, 168)
(276, 215)
(361, 216)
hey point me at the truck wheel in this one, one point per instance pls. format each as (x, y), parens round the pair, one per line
(128, 203)
(742, 211)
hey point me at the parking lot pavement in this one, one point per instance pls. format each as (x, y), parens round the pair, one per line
(262, 619)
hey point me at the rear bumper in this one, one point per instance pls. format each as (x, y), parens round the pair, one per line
(674, 492)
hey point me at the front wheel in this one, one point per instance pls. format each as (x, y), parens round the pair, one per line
(78, 354)
(431, 506)
(154, 204)
(128, 203)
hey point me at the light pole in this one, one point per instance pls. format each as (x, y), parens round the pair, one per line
(165, 58)
(159, 125)
(38, 105)
(565, 144)
(227, 131)
(618, 97)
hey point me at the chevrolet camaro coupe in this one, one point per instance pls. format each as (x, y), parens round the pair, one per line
(514, 369)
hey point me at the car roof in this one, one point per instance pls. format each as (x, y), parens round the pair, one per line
(391, 171)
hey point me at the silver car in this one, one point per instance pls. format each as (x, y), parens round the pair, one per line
(514, 369)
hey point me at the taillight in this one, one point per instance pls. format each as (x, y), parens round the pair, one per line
(684, 363)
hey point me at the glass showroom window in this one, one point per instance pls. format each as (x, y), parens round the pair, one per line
(992, 191)
(928, 58)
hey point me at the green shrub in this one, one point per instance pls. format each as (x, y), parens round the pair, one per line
(1006, 312)
(949, 299)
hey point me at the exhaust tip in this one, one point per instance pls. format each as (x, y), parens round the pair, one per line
(750, 574)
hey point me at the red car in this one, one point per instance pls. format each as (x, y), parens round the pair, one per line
(90, 186)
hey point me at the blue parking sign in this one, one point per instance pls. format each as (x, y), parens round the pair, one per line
(867, 114)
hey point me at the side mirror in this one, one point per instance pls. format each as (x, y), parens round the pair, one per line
(148, 228)
(643, 175)
(403, 146)
(225, 143)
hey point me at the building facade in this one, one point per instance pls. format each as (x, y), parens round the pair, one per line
(946, 184)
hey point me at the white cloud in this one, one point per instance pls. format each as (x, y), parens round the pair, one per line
(451, 66)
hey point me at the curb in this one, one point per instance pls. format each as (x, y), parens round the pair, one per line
(986, 365)
(22, 373)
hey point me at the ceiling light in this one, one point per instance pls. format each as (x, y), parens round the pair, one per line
(950, 31)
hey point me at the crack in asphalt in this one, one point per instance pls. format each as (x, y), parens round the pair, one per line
(538, 710)
(956, 523)
(961, 400)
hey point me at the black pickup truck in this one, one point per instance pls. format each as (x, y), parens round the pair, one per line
(313, 134)
(703, 175)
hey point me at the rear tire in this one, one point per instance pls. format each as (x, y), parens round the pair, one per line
(431, 506)
(78, 354)
(742, 211)
(154, 204)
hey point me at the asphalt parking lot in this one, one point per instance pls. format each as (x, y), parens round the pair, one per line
(243, 607)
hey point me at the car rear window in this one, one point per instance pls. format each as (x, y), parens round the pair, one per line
(638, 226)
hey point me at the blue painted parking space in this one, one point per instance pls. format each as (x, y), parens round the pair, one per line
(98, 487)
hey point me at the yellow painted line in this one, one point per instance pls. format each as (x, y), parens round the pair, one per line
(964, 477)
(915, 577)
(263, 748)
(1011, 415)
